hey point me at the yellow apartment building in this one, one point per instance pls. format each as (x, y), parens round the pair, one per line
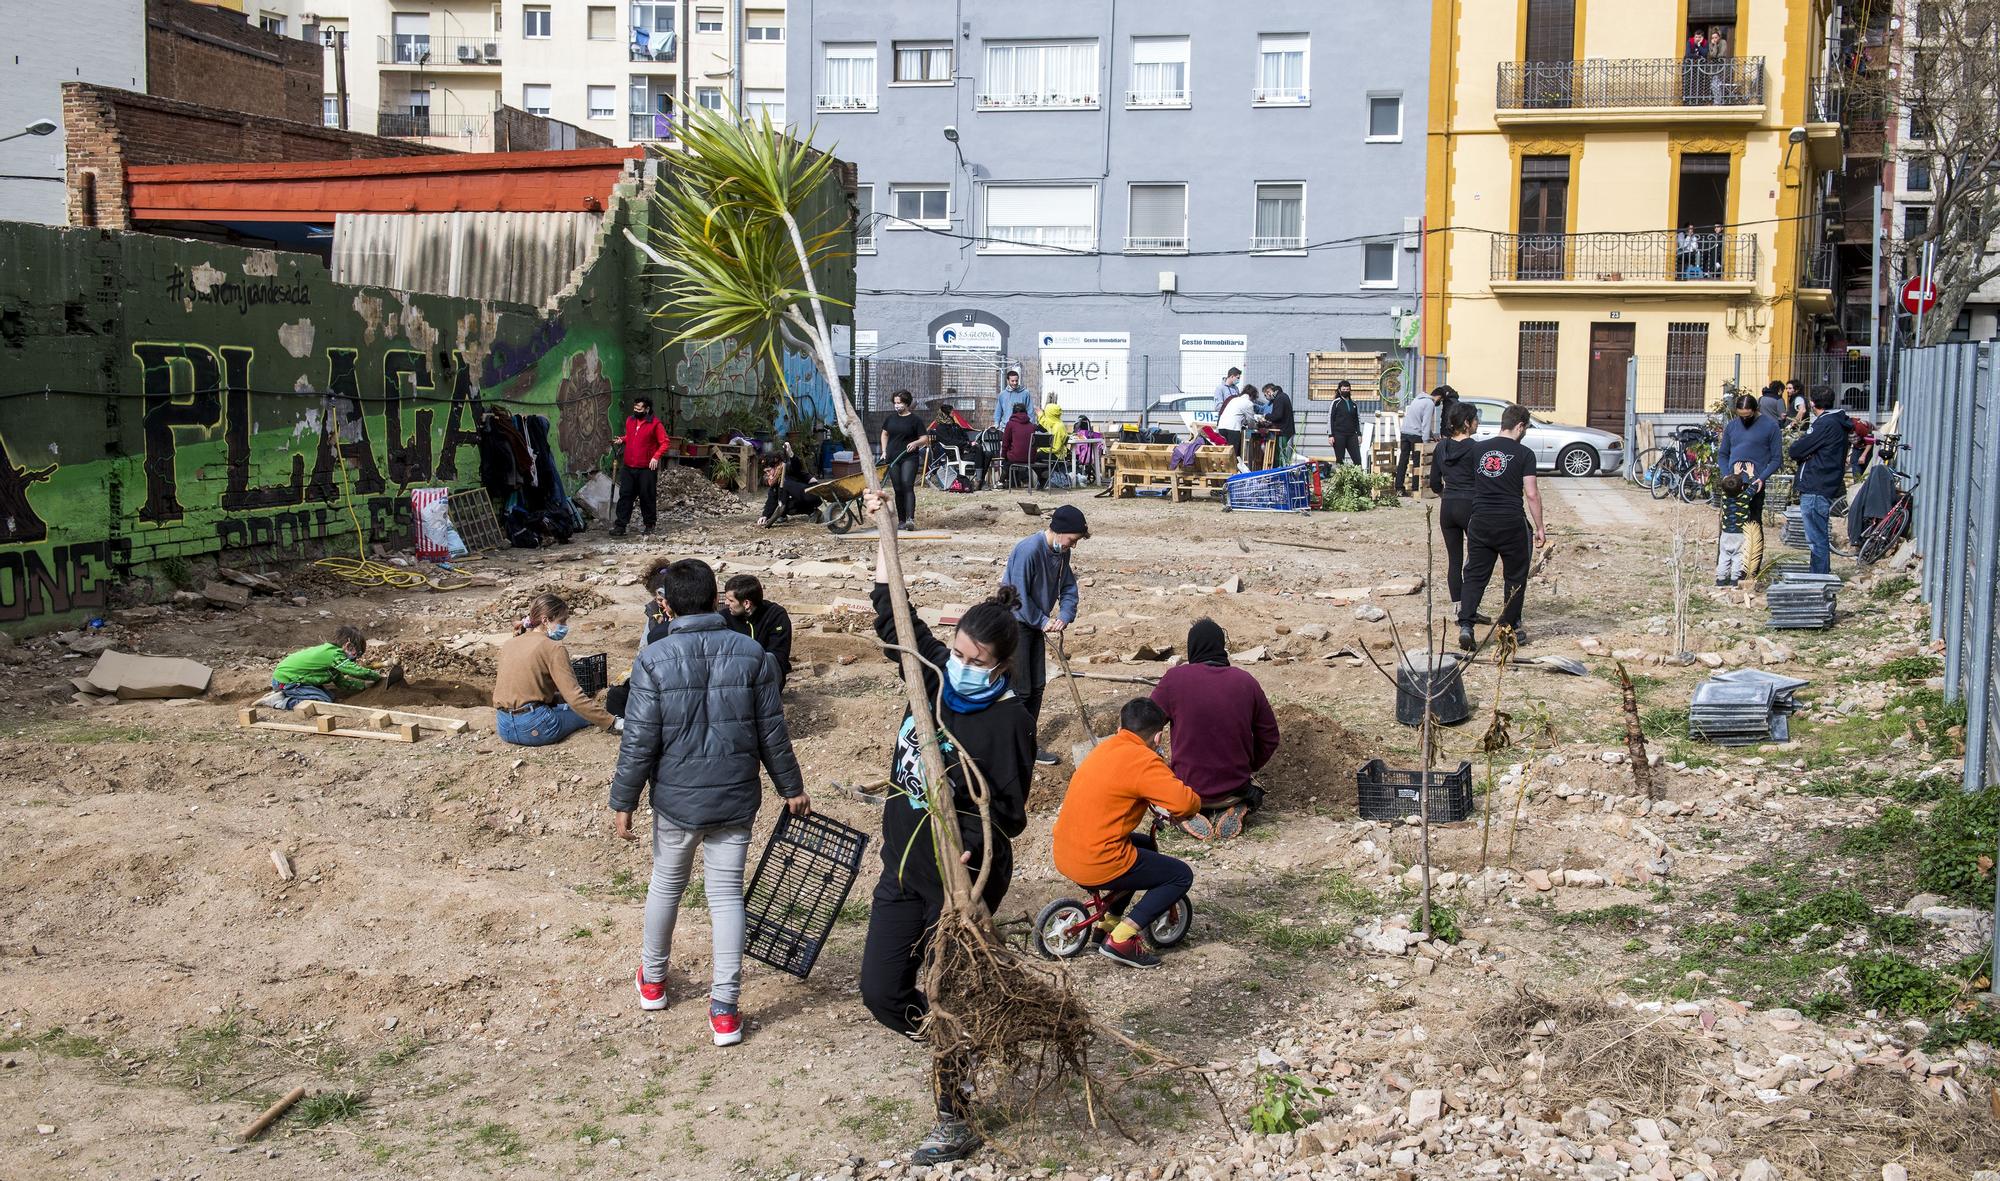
(1598, 191)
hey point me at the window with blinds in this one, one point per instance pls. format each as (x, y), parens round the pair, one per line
(1159, 72)
(1040, 74)
(1282, 71)
(1687, 368)
(850, 78)
(1035, 219)
(1551, 30)
(1281, 217)
(926, 63)
(1158, 220)
(1535, 379)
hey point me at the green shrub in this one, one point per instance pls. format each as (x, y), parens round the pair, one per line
(1353, 489)
(1284, 1107)
(1960, 833)
(1912, 668)
(1892, 588)
(1895, 985)
(1980, 1025)
(1895, 826)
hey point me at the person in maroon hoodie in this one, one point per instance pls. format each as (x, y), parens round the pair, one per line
(645, 444)
(1230, 732)
(1017, 440)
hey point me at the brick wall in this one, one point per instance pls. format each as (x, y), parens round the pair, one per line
(107, 129)
(214, 57)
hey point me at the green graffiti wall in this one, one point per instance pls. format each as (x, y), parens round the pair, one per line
(163, 399)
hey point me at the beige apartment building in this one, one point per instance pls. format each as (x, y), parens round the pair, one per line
(437, 70)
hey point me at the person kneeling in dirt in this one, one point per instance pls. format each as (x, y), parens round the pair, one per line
(788, 496)
(536, 700)
(319, 672)
(702, 717)
(990, 729)
(1224, 732)
(749, 613)
(1096, 845)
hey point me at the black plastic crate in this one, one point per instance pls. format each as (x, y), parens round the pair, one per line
(1387, 793)
(802, 881)
(590, 671)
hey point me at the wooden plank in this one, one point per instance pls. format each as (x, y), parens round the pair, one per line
(248, 719)
(310, 709)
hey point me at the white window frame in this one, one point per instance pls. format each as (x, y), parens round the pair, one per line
(1156, 245)
(1136, 100)
(987, 246)
(866, 223)
(1268, 43)
(989, 100)
(1395, 278)
(751, 106)
(1256, 197)
(949, 50)
(828, 103)
(529, 106)
(763, 34)
(271, 22)
(704, 17)
(548, 22)
(1368, 114)
(890, 221)
(329, 110)
(610, 108)
(590, 11)
(702, 95)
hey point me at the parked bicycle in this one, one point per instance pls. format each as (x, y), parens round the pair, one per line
(1881, 536)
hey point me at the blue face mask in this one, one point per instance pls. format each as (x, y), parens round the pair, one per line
(559, 631)
(965, 679)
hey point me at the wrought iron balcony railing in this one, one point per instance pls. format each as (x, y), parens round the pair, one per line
(421, 49)
(1650, 257)
(404, 125)
(1631, 82)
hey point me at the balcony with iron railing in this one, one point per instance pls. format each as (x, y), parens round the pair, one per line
(843, 102)
(1157, 245)
(1277, 243)
(645, 125)
(660, 47)
(1280, 96)
(1157, 98)
(407, 125)
(406, 49)
(1656, 261)
(1816, 274)
(1631, 90)
(1071, 101)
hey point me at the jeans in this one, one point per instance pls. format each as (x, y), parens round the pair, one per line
(539, 725)
(1347, 447)
(643, 485)
(293, 694)
(1454, 513)
(903, 474)
(900, 918)
(1816, 513)
(723, 851)
(1505, 538)
(1164, 879)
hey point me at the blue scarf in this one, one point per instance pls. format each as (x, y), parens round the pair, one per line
(960, 703)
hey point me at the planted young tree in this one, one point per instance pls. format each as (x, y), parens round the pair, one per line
(743, 224)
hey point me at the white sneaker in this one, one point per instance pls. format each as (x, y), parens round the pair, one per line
(271, 700)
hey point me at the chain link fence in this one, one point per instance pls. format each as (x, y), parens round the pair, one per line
(1950, 423)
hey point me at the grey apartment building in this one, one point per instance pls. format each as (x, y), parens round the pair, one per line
(1122, 200)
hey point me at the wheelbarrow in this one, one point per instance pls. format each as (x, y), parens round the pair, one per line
(840, 499)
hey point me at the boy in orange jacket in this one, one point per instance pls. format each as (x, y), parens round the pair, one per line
(1095, 845)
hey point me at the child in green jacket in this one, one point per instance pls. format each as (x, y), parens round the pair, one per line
(323, 670)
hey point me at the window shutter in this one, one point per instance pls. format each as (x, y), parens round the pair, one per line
(1705, 164)
(1547, 167)
(1551, 30)
(1158, 211)
(1038, 205)
(1722, 12)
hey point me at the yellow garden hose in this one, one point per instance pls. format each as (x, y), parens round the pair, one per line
(361, 570)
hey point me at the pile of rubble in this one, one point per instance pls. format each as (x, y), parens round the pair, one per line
(685, 493)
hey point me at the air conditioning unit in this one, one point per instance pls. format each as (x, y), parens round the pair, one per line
(468, 55)
(491, 51)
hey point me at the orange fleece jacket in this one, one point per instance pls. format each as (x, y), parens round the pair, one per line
(1107, 798)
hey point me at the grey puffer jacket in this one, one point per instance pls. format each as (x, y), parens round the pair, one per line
(702, 715)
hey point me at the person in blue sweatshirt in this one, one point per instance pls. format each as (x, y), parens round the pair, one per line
(1753, 438)
(1822, 458)
(1039, 571)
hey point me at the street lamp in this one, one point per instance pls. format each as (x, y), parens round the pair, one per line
(38, 127)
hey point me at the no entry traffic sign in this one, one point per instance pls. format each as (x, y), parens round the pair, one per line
(1919, 297)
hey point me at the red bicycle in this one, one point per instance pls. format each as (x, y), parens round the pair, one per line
(1881, 537)
(1066, 926)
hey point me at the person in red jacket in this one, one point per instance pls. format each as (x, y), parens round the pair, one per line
(1017, 440)
(645, 445)
(1223, 732)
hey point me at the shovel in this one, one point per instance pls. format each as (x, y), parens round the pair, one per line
(1077, 751)
(1029, 508)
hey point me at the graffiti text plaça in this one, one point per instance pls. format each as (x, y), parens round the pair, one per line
(193, 387)
(70, 578)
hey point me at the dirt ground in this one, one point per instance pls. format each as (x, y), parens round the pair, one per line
(457, 948)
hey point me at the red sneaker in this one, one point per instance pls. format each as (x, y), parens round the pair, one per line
(727, 1025)
(652, 995)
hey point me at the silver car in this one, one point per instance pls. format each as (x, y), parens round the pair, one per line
(1570, 450)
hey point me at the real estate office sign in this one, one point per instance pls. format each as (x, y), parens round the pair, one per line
(1085, 372)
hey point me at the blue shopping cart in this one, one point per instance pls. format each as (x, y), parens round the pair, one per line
(1279, 490)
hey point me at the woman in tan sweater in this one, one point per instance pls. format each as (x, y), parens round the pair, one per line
(536, 699)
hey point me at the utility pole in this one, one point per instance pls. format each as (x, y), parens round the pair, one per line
(340, 74)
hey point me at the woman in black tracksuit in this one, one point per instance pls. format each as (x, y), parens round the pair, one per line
(982, 720)
(904, 437)
(1451, 479)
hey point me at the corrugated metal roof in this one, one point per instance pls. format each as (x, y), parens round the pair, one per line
(517, 257)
